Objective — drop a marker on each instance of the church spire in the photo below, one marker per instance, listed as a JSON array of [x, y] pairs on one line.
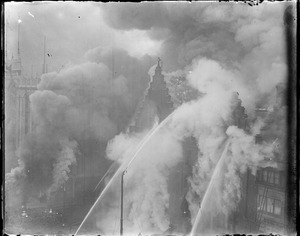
[[156, 104], [158, 67], [159, 93]]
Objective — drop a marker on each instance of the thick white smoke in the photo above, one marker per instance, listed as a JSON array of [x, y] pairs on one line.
[[236, 65], [212, 120], [146, 193], [243, 153]]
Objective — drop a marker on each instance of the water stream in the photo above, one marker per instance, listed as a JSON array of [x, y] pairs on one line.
[[125, 166], [207, 194]]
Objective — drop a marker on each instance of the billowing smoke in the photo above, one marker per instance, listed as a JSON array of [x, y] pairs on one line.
[[213, 119], [232, 54], [76, 111], [61, 167], [146, 196], [243, 153], [223, 32], [216, 117]]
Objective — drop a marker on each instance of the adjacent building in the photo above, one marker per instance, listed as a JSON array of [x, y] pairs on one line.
[[18, 88], [263, 207]]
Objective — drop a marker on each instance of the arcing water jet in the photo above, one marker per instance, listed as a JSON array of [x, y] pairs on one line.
[[127, 165], [104, 176], [208, 191]]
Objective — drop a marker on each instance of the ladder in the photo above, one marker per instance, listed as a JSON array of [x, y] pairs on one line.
[[261, 207]]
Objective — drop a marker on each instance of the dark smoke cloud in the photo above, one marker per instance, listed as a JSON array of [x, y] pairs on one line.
[[187, 29], [76, 102], [122, 64], [233, 34], [75, 109]]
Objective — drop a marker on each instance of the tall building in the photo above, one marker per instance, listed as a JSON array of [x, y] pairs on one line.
[[18, 88], [156, 106], [157, 103], [263, 205]]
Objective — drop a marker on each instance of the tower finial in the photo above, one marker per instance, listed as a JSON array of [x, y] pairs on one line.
[[159, 62], [158, 67]]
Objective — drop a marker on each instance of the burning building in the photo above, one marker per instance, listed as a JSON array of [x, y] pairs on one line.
[[263, 196], [263, 206], [158, 104], [83, 110]]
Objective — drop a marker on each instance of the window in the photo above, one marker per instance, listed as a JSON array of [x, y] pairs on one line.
[[259, 176], [258, 201], [258, 138], [271, 177], [276, 178], [270, 205], [277, 207], [265, 176]]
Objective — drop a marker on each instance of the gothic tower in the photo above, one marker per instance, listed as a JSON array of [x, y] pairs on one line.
[[157, 103], [159, 94], [155, 107]]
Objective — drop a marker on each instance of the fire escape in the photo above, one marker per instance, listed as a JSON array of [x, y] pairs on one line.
[[259, 214]]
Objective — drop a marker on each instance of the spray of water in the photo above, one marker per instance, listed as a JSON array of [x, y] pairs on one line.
[[147, 138], [125, 166], [112, 165], [208, 191], [98, 199]]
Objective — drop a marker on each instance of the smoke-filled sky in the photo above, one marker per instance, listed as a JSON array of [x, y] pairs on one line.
[[98, 58], [71, 29], [178, 32]]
